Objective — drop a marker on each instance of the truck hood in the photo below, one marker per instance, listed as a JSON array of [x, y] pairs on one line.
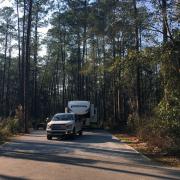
[[61, 122]]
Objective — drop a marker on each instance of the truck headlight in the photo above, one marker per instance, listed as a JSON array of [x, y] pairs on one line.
[[48, 126]]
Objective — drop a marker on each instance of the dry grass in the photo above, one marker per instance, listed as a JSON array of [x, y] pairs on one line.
[[153, 153], [4, 134]]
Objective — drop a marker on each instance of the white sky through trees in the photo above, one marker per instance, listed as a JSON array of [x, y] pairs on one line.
[[5, 3], [42, 30]]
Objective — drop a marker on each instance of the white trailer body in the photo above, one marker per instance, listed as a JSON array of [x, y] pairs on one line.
[[83, 109], [79, 107]]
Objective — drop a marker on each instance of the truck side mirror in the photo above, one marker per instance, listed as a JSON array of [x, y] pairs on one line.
[[47, 119]]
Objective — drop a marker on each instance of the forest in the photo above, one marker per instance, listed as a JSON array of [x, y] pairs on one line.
[[121, 55]]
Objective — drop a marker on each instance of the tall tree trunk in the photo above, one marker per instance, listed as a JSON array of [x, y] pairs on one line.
[[35, 66], [7, 105], [164, 13], [19, 56], [64, 73], [4, 69], [104, 85], [84, 48], [22, 87], [138, 89], [27, 67], [78, 67]]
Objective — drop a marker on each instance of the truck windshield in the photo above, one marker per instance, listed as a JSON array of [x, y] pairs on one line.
[[63, 117]]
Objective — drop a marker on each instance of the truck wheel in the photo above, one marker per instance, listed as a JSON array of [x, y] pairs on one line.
[[49, 137], [74, 132], [80, 132]]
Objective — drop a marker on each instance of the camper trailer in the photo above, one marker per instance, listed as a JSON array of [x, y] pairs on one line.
[[85, 110]]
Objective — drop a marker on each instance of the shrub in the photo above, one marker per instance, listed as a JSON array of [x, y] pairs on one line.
[[153, 131], [4, 133], [13, 125], [8, 127], [155, 135]]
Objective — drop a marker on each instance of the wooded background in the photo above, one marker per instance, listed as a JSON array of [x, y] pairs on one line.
[[121, 55]]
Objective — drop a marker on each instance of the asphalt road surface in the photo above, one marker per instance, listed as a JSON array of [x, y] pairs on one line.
[[96, 155]]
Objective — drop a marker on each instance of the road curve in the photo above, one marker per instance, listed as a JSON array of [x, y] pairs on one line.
[[96, 155]]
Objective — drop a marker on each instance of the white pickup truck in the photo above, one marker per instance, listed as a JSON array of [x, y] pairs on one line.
[[63, 124]]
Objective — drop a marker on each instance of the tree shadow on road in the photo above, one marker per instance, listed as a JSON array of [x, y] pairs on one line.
[[6, 177], [60, 153], [83, 162], [69, 147]]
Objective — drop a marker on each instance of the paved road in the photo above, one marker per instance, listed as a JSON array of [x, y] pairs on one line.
[[93, 156]]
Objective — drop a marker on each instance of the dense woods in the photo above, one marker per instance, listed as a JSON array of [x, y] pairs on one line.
[[122, 55]]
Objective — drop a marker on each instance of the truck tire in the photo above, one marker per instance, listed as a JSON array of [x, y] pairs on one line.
[[80, 133], [49, 137], [74, 131]]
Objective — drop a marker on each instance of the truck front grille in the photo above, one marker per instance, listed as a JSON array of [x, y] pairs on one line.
[[58, 127]]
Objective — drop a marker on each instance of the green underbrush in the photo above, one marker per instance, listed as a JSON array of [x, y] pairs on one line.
[[8, 127]]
